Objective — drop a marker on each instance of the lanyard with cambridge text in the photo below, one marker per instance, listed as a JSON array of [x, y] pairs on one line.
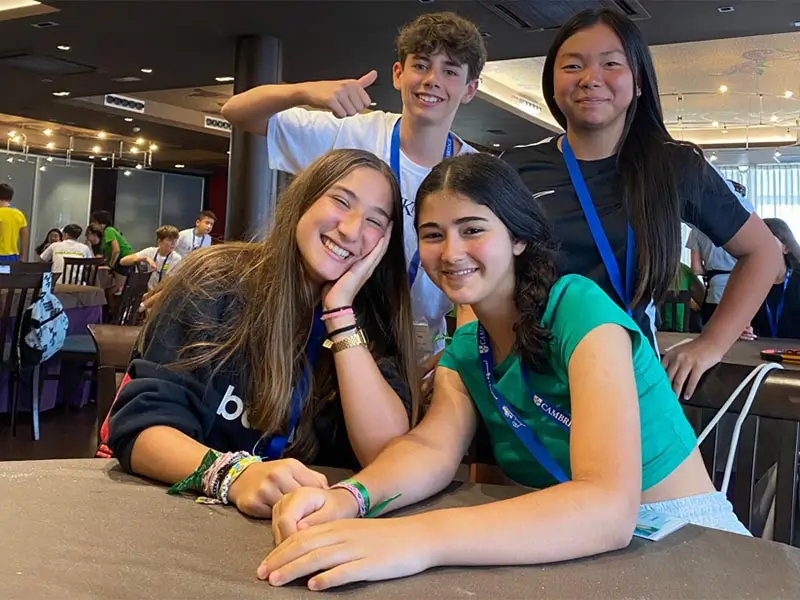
[[518, 426], [599, 235], [163, 265], [394, 163], [277, 443], [776, 317]]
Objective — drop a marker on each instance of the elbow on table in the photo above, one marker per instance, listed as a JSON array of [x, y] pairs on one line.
[[622, 513]]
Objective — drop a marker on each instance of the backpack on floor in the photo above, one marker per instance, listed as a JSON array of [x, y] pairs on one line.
[[43, 328]]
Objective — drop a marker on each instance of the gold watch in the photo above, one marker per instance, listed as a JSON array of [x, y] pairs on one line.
[[351, 341]]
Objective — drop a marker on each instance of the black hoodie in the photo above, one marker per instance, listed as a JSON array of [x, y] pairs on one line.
[[209, 408]]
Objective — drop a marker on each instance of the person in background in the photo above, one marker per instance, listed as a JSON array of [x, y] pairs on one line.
[[13, 228], [115, 246], [617, 186], [779, 315], [197, 237], [685, 281], [574, 398], [161, 260], [53, 236], [713, 263], [440, 57], [94, 239], [69, 247], [231, 367]]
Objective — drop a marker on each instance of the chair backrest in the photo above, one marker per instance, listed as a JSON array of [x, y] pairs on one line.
[[81, 271], [670, 313], [25, 268], [770, 435], [132, 294], [114, 346], [16, 294]]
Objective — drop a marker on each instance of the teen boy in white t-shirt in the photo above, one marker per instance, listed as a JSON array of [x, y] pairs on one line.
[[161, 260], [198, 236], [68, 247], [440, 57]]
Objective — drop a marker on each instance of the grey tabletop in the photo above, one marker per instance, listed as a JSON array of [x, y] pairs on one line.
[[82, 529], [742, 353]]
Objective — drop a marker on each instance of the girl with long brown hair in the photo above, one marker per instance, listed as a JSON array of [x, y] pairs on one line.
[[232, 391]]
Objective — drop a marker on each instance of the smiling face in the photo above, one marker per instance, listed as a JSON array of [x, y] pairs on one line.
[[465, 249], [344, 224], [593, 82], [433, 87]]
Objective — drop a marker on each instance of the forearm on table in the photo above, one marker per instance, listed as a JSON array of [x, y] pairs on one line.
[[373, 412], [747, 286], [165, 454], [567, 521]]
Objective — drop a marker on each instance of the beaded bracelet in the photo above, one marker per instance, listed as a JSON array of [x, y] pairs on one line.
[[360, 493]]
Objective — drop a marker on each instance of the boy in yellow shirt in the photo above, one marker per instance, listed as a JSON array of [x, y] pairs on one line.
[[13, 228]]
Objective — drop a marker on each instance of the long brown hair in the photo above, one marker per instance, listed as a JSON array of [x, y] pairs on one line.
[[266, 326]]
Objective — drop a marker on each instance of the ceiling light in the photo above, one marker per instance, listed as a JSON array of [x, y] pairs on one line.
[[713, 157], [63, 48], [51, 145], [774, 118], [725, 9], [146, 70], [743, 168], [128, 120], [17, 140], [373, 104], [49, 159], [139, 141], [43, 168], [496, 145], [180, 166], [101, 135], [126, 172], [723, 88], [788, 94], [777, 154], [97, 149], [12, 134], [715, 123], [225, 79], [105, 158], [61, 94], [138, 166], [48, 132], [134, 149], [153, 147], [10, 159], [91, 156]]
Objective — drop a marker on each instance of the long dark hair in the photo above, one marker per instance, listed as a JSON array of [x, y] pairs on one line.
[[264, 333], [784, 233], [491, 182], [649, 182], [40, 248]]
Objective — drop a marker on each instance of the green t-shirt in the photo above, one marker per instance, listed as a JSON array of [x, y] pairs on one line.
[[684, 283], [575, 307], [110, 234]]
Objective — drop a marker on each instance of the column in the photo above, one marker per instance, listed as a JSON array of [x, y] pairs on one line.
[[251, 183]]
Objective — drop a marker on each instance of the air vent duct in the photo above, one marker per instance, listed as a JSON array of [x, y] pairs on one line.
[[124, 103], [217, 123], [538, 15]]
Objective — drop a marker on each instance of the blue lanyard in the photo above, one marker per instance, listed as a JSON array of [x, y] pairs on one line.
[[774, 319], [277, 444], [163, 265], [518, 426], [599, 236], [394, 163]]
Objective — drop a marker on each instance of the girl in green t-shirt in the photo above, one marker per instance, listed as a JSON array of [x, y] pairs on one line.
[[573, 396]]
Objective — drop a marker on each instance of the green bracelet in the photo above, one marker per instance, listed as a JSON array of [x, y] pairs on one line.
[[194, 481], [380, 506]]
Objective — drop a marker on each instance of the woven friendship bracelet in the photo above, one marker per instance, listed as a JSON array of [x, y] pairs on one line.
[[358, 491]]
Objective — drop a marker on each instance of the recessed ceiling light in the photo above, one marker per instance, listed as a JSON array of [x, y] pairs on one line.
[[138, 166], [101, 135], [225, 79], [126, 172], [104, 159], [777, 154], [180, 166], [51, 145], [725, 9], [49, 159], [715, 123], [134, 150], [48, 132], [61, 94], [373, 104], [153, 147], [128, 120], [496, 145], [788, 94], [64, 48], [774, 118], [146, 70], [91, 156], [139, 141], [723, 88], [97, 149]]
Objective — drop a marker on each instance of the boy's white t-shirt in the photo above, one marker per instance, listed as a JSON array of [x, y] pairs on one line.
[[166, 269], [58, 251], [297, 137], [188, 240]]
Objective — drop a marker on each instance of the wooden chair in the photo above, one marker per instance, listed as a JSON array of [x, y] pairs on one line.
[[135, 289], [81, 271]]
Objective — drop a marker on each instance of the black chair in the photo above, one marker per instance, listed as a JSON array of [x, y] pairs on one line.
[[81, 271], [770, 435], [16, 294], [132, 294]]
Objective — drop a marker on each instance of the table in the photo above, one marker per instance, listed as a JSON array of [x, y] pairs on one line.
[[83, 529], [742, 353]]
